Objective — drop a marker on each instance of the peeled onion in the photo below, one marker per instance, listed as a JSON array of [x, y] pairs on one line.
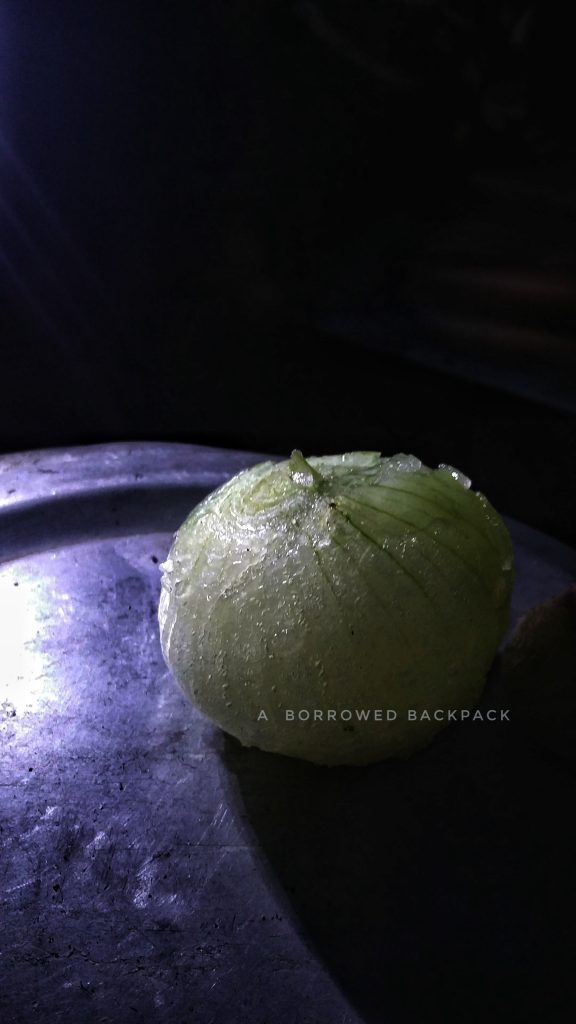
[[348, 583]]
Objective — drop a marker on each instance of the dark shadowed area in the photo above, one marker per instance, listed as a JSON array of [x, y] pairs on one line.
[[434, 889], [276, 224]]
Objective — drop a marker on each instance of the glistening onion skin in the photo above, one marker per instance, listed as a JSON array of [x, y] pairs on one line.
[[342, 582]]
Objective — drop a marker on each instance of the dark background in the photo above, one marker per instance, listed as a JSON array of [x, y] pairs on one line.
[[273, 224]]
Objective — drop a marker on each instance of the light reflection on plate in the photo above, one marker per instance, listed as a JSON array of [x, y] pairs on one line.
[[25, 680]]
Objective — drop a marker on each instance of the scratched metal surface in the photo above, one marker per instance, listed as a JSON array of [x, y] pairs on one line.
[[153, 870]]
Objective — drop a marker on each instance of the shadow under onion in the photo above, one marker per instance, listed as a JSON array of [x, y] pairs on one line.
[[437, 888]]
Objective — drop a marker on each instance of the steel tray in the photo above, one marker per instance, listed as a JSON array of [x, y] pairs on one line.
[[153, 870]]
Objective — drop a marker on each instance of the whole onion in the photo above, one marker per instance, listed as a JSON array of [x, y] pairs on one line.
[[325, 608]]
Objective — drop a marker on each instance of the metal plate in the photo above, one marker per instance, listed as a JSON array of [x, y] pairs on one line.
[[153, 870]]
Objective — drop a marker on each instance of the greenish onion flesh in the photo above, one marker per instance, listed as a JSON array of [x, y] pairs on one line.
[[336, 583]]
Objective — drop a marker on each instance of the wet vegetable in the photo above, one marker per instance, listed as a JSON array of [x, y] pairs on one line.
[[538, 674], [326, 608]]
